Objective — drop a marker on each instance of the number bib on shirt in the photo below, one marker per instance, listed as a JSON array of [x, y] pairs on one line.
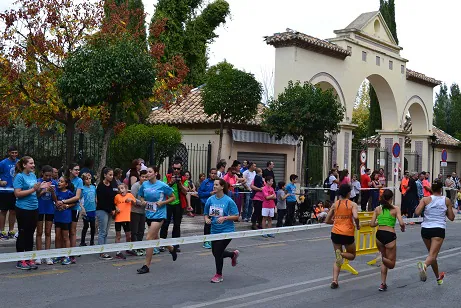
[[151, 206], [216, 211]]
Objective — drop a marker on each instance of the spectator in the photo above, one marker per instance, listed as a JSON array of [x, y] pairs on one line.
[[245, 166], [134, 172], [257, 197], [419, 186], [269, 171], [291, 200], [355, 192], [365, 183], [221, 167], [88, 166], [8, 201], [450, 185], [344, 177], [201, 178], [426, 185], [382, 177], [118, 176], [333, 182], [281, 203], [412, 195], [249, 176], [403, 189], [375, 185]]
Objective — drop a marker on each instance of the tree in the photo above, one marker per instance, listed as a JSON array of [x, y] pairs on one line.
[[267, 81], [35, 40], [134, 141], [188, 33], [116, 75], [455, 112], [230, 95], [361, 114], [387, 9], [129, 15], [300, 112], [442, 109]]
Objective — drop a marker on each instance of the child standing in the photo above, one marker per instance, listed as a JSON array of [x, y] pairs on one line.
[[281, 203], [123, 202], [63, 216], [89, 204], [268, 205]]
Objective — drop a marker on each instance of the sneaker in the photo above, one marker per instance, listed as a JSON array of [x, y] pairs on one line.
[[139, 252], [120, 255], [49, 261], [177, 248], [265, 235], [131, 252], [174, 253], [143, 270], [422, 271], [161, 249], [12, 235], [156, 251], [271, 235], [91, 243], [66, 261], [4, 235], [83, 244], [57, 260], [334, 285], [383, 287], [339, 258], [440, 279], [207, 245], [38, 261], [234, 258], [22, 265], [105, 256], [73, 260], [217, 279], [32, 264]]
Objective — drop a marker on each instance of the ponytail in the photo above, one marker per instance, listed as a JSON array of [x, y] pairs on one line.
[[386, 199], [19, 168]]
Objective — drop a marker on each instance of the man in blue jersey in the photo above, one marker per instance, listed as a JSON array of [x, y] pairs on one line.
[[7, 198]]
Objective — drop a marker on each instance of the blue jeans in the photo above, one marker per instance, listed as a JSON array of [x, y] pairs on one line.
[[248, 206], [374, 199], [104, 221]]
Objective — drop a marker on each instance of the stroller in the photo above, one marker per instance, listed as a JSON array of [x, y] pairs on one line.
[[305, 212]]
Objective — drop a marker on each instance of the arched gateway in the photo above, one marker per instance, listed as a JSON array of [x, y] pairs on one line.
[[365, 49]]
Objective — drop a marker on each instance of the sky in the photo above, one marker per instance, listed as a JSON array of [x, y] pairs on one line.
[[428, 31]]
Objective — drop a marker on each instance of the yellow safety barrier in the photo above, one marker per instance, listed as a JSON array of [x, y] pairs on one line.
[[365, 241]]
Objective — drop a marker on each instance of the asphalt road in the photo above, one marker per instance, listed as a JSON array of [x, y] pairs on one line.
[[292, 270]]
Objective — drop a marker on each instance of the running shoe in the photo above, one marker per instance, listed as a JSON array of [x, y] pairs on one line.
[[22, 265], [207, 245], [49, 261], [271, 235], [91, 243], [12, 235], [177, 248], [217, 279], [422, 271], [83, 244], [334, 285], [32, 264], [139, 252], [161, 249], [383, 287], [57, 260], [265, 235], [4, 235], [234, 258], [66, 261], [156, 251], [38, 261], [174, 253], [143, 270], [105, 256], [73, 260], [131, 252], [120, 255], [339, 258], [440, 279]]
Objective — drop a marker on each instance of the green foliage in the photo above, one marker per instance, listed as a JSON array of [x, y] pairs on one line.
[[361, 115], [375, 122], [443, 110], [135, 140], [306, 111], [188, 33], [387, 9]]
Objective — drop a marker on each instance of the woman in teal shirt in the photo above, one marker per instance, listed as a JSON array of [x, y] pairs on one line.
[[221, 212], [25, 189]]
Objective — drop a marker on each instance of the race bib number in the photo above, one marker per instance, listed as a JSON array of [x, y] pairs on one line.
[[216, 211], [151, 207]]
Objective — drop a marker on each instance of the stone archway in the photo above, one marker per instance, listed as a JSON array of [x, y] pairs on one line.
[[326, 81]]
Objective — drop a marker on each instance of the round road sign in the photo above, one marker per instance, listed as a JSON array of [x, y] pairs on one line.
[[444, 155], [396, 150], [363, 157]]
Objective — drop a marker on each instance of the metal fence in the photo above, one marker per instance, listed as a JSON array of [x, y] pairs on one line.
[[318, 157]]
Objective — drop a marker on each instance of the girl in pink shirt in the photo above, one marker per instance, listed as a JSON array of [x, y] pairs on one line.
[[231, 178], [268, 204]]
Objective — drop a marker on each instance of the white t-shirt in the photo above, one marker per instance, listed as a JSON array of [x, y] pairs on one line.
[[333, 186], [249, 176]]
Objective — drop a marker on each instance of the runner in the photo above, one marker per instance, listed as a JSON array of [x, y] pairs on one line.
[[89, 203], [436, 209], [63, 217], [386, 240], [105, 207], [25, 189], [341, 216], [7, 198], [138, 215], [72, 173], [123, 203], [221, 212], [155, 195], [45, 212]]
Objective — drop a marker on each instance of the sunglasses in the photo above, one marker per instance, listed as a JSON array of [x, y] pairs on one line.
[[176, 168], [76, 169]]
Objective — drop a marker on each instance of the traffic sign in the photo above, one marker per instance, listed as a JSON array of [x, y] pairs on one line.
[[396, 150], [363, 157], [443, 164], [444, 155]]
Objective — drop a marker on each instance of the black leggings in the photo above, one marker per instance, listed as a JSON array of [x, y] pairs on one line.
[[176, 212], [138, 226], [257, 211], [290, 213], [27, 223], [206, 229], [92, 225], [219, 252]]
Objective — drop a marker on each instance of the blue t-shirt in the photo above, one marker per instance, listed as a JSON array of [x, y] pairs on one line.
[[45, 201], [78, 184], [152, 193], [26, 182], [216, 208], [7, 172], [89, 198], [64, 216], [291, 189]]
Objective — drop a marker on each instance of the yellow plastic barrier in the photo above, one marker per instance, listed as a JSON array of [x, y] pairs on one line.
[[365, 241]]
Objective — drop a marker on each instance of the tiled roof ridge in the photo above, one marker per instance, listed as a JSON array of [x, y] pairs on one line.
[[413, 75]]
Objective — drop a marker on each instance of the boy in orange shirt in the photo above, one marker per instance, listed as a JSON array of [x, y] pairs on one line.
[[123, 202]]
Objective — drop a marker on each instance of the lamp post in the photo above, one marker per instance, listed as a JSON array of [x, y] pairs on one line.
[[434, 142]]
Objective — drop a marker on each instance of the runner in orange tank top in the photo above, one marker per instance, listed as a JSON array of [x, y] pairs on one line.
[[343, 215]]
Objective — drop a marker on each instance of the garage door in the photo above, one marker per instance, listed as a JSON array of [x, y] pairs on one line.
[[449, 169], [261, 159]]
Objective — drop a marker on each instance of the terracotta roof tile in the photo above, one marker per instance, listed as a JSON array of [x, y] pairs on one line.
[[190, 111], [423, 79], [294, 38]]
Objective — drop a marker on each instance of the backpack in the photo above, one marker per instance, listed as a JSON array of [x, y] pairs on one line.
[[326, 183]]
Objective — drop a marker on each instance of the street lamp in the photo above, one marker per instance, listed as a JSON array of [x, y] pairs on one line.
[[434, 142]]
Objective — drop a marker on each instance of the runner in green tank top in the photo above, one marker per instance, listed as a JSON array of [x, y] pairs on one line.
[[385, 217]]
